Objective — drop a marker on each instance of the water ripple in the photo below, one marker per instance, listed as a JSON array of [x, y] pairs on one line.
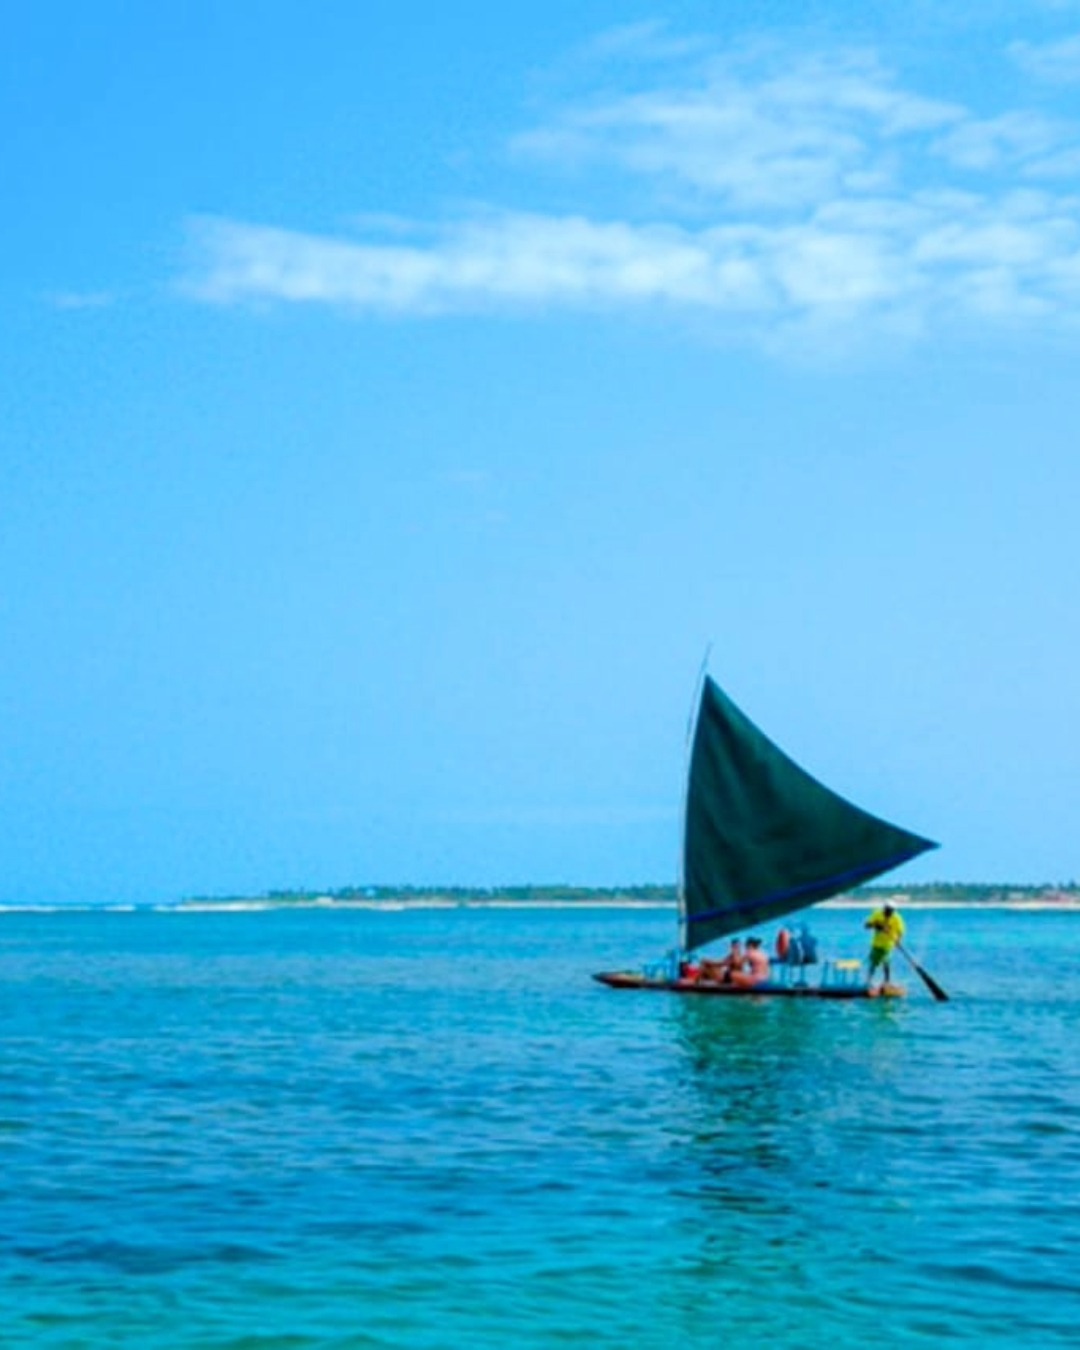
[[432, 1130]]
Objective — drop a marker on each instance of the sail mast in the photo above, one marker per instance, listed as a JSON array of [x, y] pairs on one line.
[[691, 732]]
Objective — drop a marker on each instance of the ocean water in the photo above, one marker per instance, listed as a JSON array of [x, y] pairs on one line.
[[432, 1129]]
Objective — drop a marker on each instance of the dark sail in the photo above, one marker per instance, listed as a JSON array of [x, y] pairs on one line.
[[763, 838]]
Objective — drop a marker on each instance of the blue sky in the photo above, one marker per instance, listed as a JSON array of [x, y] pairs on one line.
[[399, 400]]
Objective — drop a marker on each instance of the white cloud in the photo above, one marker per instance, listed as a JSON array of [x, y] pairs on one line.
[[498, 259], [768, 190], [753, 137]]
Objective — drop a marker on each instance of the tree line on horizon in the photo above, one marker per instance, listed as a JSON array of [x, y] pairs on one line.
[[955, 892]]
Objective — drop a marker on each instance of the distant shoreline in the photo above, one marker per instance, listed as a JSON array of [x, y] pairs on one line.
[[420, 906], [255, 905], [388, 900]]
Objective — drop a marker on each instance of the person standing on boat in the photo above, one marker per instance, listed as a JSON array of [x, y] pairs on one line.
[[887, 927]]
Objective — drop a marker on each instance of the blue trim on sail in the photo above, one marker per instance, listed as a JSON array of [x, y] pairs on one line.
[[829, 885]]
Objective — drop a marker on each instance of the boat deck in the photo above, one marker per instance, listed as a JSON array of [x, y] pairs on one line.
[[628, 979]]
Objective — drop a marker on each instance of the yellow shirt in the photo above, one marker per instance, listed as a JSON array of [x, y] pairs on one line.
[[888, 929]]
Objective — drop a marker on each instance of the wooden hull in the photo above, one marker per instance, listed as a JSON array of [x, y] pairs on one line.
[[627, 979]]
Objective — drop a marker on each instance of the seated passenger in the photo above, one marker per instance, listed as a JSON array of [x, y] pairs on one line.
[[720, 972], [755, 969]]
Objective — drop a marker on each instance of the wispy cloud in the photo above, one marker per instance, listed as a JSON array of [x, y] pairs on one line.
[[754, 133], [496, 259], [650, 41], [75, 300], [1057, 62], [1015, 142], [768, 190]]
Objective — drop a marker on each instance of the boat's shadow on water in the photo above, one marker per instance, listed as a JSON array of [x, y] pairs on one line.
[[775, 1092]]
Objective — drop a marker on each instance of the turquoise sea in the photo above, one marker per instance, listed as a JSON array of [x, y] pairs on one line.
[[430, 1128]]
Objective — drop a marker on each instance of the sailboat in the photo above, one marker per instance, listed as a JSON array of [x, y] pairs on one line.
[[763, 840]]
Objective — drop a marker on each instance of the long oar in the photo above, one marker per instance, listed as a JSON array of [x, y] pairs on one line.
[[927, 979]]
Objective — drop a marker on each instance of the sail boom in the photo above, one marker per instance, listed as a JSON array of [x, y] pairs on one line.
[[776, 906]]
